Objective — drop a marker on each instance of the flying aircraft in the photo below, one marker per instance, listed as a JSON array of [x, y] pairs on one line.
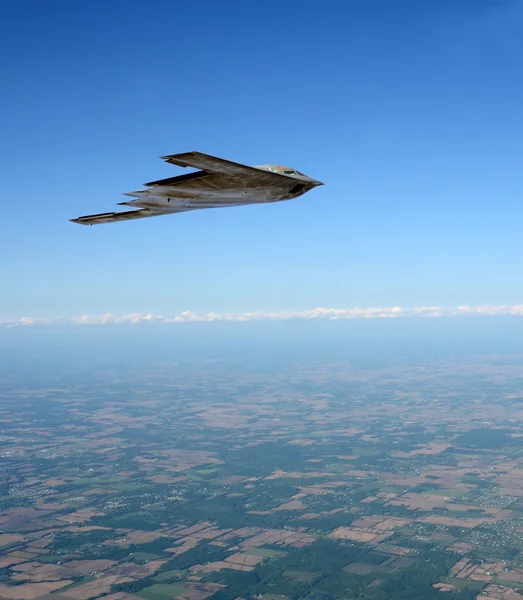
[[219, 183]]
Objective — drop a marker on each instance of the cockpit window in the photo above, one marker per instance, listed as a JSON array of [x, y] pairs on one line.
[[280, 169]]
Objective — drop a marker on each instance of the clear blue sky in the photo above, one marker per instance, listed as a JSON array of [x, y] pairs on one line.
[[411, 112]]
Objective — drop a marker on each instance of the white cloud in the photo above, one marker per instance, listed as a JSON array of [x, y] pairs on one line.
[[393, 312]]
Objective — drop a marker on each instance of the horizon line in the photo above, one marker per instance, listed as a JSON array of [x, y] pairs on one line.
[[331, 314]]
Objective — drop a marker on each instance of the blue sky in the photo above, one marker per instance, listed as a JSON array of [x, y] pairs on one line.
[[410, 112]]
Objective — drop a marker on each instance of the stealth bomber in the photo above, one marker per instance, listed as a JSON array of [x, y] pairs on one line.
[[218, 183]]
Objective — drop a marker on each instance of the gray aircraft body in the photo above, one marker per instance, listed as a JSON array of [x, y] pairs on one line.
[[219, 183]]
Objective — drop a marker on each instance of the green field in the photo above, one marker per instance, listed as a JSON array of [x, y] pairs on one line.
[[209, 471], [127, 487], [466, 514], [303, 576], [52, 558], [167, 575], [265, 552], [161, 591]]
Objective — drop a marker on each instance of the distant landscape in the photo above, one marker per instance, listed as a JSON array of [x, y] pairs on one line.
[[370, 479]]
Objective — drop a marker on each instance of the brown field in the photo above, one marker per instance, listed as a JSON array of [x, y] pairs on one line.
[[415, 501], [7, 561], [368, 499], [481, 572], [199, 591], [279, 538], [136, 571], [84, 567], [95, 588], [210, 533], [191, 530], [370, 529], [54, 482], [176, 551], [120, 596], [30, 591], [41, 543], [80, 515], [512, 576], [219, 565], [381, 523], [451, 521], [461, 547], [428, 449], [25, 554], [358, 535], [10, 538], [461, 564], [135, 537], [395, 550], [291, 505], [79, 529], [35, 572], [499, 592], [278, 474], [244, 559]]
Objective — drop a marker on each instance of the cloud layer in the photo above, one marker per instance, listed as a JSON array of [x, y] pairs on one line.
[[315, 313]]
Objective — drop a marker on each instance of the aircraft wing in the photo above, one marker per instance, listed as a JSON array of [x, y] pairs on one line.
[[213, 164], [128, 215]]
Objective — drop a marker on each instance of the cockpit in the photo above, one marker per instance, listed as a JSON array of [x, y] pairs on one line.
[[281, 170], [292, 172]]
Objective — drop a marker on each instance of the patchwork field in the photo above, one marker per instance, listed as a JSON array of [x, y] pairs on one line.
[[203, 480]]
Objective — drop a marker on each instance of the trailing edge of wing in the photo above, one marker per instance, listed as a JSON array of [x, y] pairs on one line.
[[177, 179], [113, 217], [213, 164]]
